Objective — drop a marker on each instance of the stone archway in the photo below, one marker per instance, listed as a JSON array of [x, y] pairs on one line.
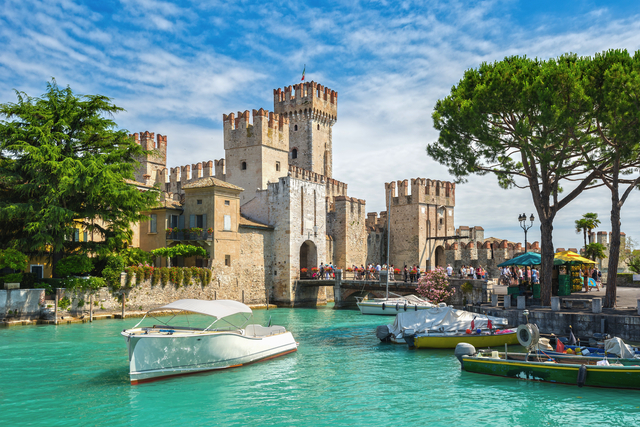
[[308, 255], [440, 258]]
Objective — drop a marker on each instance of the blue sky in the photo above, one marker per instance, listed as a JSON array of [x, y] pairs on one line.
[[176, 67]]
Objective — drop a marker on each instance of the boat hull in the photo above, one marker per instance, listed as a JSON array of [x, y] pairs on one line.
[[451, 341], [157, 356], [624, 377], [389, 308]]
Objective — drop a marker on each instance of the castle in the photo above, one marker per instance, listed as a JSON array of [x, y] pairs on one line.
[[271, 208]]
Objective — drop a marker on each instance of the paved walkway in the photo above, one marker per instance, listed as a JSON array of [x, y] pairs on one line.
[[627, 298]]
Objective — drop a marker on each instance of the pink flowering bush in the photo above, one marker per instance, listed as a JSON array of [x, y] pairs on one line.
[[434, 286]]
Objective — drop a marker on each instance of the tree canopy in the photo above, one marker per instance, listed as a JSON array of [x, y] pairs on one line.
[[525, 121], [570, 121], [64, 165], [587, 224]]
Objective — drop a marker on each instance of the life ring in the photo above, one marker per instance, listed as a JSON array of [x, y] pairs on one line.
[[383, 306], [582, 375], [528, 335], [397, 306]]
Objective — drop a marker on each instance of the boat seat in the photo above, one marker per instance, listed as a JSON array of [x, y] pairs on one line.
[[263, 331]]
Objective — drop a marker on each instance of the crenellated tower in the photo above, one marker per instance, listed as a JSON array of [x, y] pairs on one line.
[[256, 152], [152, 165], [312, 110]]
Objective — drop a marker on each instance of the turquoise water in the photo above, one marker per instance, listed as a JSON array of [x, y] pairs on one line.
[[341, 375]]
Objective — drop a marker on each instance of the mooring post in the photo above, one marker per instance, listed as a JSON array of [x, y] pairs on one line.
[[91, 308], [337, 296], [124, 298], [55, 309]]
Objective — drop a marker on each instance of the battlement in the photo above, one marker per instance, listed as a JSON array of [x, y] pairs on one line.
[[158, 146], [305, 99], [266, 128], [422, 190], [181, 175], [334, 187]]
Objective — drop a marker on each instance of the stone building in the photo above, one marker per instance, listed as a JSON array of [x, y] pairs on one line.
[[271, 205]]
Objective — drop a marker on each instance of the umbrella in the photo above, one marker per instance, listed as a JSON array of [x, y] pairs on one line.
[[528, 258], [568, 257]]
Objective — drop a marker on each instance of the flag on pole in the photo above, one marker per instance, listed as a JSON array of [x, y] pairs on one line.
[[303, 70]]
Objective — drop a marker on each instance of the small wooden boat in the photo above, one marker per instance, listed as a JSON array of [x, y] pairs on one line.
[[574, 370]]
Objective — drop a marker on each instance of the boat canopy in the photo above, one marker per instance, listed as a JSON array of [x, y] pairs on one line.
[[218, 308], [442, 319]]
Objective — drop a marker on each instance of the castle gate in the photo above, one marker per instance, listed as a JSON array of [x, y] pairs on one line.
[[440, 259], [308, 255]]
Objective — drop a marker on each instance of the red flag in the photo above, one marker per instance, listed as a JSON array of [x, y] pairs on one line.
[[473, 322], [489, 324], [559, 346]]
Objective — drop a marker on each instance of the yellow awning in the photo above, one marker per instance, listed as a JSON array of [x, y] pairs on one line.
[[573, 257]]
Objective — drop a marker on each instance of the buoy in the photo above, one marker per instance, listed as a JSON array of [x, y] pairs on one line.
[[478, 331], [416, 307], [405, 306], [468, 331], [397, 306], [582, 375], [383, 306]]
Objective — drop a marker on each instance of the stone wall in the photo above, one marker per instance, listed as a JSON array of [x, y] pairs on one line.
[[21, 302]]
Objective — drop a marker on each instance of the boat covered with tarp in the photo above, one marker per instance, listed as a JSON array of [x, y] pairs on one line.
[[226, 340], [445, 326]]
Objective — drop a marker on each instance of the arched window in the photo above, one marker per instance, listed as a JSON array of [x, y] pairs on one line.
[[294, 153], [295, 127], [243, 166], [318, 127]]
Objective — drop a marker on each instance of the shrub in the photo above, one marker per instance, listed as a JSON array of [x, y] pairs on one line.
[[155, 278], [12, 278], [466, 288], [84, 283], [64, 303], [205, 276], [434, 285], [136, 256], [80, 303], [13, 259], [111, 273], [74, 264], [148, 271], [164, 275]]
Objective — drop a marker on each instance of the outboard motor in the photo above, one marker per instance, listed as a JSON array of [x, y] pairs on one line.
[[409, 335], [382, 332], [464, 349]]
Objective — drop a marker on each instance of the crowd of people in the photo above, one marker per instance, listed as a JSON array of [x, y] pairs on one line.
[[468, 271], [515, 275]]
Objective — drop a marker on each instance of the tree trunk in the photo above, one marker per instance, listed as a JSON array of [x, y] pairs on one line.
[[546, 271], [614, 250]]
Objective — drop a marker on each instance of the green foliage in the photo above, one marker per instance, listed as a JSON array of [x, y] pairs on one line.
[[80, 303], [43, 285], [63, 167], [634, 264], [83, 284], [164, 275], [180, 250], [12, 278], [466, 288], [64, 303], [114, 267], [155, 278], [13, 259], [595, 251], [205, 276], [136, 256], [586, 224], [74, 264], [187, 276]]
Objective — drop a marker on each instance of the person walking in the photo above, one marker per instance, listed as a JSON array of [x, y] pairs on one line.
[[406, 273]]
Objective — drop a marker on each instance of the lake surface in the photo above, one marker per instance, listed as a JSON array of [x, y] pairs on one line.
[[341, 375]]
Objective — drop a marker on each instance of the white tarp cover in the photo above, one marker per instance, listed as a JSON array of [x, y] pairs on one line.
[[218, 309], [616, 346], [441, 319]]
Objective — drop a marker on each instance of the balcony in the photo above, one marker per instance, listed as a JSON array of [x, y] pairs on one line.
[[187, 235]]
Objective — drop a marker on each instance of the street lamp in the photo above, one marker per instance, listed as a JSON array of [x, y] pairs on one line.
[[523, 223]]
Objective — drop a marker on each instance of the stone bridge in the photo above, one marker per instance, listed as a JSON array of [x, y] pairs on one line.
[[346, 291]]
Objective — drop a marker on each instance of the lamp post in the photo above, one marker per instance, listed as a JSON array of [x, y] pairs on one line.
[[523, 223]]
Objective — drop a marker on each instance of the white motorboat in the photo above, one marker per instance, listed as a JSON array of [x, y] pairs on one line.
[[162, 351], [391, 306]]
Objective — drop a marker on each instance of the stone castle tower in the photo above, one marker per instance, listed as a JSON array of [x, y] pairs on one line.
[[312, 110]]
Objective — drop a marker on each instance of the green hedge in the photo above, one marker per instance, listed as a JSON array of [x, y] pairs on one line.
[[625, 280]]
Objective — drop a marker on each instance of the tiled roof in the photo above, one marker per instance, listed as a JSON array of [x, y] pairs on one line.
[[211, 182], [246, 222], [137, 184]]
